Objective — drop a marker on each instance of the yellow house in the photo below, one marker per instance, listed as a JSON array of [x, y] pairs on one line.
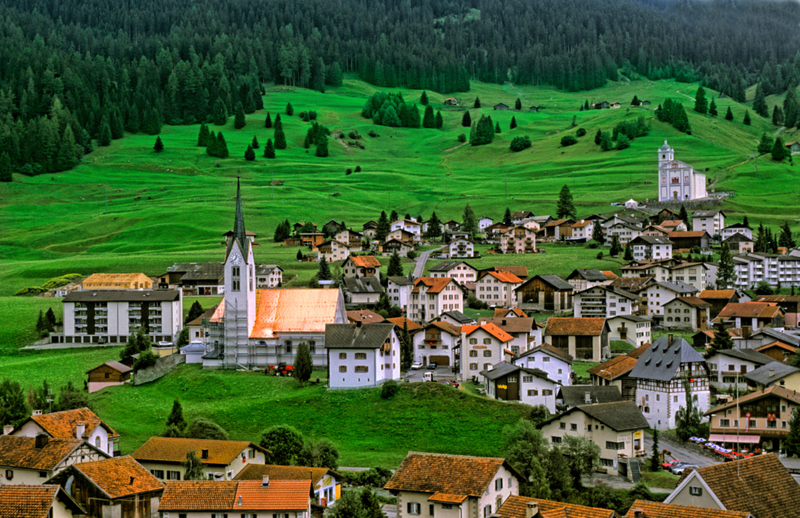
[[118, 281]]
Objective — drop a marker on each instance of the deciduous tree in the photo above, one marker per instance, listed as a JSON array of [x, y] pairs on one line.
[[202, 428], [285, 443], [193, 468]]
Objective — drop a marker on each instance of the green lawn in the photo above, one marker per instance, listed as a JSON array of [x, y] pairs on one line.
[[581, 368], [620, 346], [660, 479]]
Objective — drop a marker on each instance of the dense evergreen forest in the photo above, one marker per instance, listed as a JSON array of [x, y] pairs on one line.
[[74, 71]]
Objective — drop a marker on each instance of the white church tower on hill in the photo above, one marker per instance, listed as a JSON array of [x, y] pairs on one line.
[[240, 285], [678, 181]]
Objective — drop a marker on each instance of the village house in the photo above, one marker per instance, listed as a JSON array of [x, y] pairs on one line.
[[624, 232], [529, 507], [362, 290], [754, 315], [49, 501], [351, 238], [690, 240], [737, 228], [726, 366], [664, 214], [196, 330], [519, 271], [548, 293], [111, 316], [409, 226], [678, 180], [718, 299], [194, 278], [778, 351], [362, 355], [526, 331], [630, 328], [554, 362], [118, 487], [369, 229], [752, 268], [602, 105], [481, 347], [647, 509], [661, 373], [789, 304], [558, 229], [508, 382], [221, 460], [739, 244], [604, 302], [484, 223], [634, 220], [687, 312], [615, 373], [657, 294], [268, 276], [436, 484], [617, 428], [765, 336], [296, 227], [518, 240], [655, 230], [497, 288], [404, 323], [431, 297], [584, 279], [364, 316], [501, 106], [458, 270], [461, 248], [730, 486], [581, 395], [451, 101], [80, 423], [711, 221], [669, 270], [518, 216], [647, 248], [456, 318], [582, 231], [774, 374], [107, 375], [674, 225], [249, 498], [325, 483], [117, 281], [333, 250], [395, 246], [398, 289], [311, 239], [361, 266], [582, 338], [437, 342], [493, 232], [33, 460]]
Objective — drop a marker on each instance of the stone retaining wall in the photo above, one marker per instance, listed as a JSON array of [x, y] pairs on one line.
[[162, 367]]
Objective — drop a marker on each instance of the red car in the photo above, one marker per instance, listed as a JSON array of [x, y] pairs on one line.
[[668, 465]]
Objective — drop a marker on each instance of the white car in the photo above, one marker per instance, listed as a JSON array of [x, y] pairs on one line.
[[164, 343], [416, 366]]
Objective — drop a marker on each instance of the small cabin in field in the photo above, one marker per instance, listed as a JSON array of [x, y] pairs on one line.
[[501, 106], [451, 101], [794, 147], [107, 375], [615, 105], [644, 103], [602, 105]]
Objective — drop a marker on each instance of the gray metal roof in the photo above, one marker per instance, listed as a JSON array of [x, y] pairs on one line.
[[575, 395], [363, 285], [631, 318], [554, 281], [706, 213], [401, 280], [678, 287], [589, 275], [446, 266], [618, 415], [204, 271], [355, 336], [778, 335], [122, 296], [504, 368], [750, 355], [652, 240], [777, 369], [662, 360], [458, 317]]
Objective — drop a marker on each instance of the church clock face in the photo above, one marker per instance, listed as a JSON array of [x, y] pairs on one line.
[[236, 258]]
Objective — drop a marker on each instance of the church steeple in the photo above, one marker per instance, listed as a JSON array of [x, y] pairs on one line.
[[239, 234]]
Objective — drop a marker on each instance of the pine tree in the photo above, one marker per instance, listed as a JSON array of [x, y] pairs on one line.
[[746, 120], [684, 215], [202, 137], [469, 222], [790, 109], [513, 122], [289, 109], [725, 270], [777, 116], [597, 233], [434, 227], [712, 109], [598, 137], [280, 139], [700, 102], [303, 366], [222, 146], [765, 144], [105, 134], [268, 121], [423, 99], [760, 103], [384, 227], [300, 254], [477, 102], [277, 124], [786, 239], [5, 168], [322, 147], [211, 144], [239, 120], [565, 207], [779, 151], [324, 272], [635, 101], [255, 144], [395, 268], [40, 325], [518, 104], [176, 418], [655, 458], [466, 120], [507, 217], [615, 248], [219, 112], [628, 256], [269, 150], [729, 114], [50, 318], [439, 120], [745, 222], [249, 154], [159, 146], [429, 120], [497, 127]]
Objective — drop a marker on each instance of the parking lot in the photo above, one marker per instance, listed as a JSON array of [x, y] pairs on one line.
[[439, 373]]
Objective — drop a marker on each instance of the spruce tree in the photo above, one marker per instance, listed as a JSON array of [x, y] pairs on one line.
[[606, 143], [202, 137], [384, 227], [222, 146], [565, 207], [655, 465], [211, 144], [598, 137], [268, 122], [765, 144], [238, 120], [159, 146], [712, 109], [777, 116], [289, 109], [324, 272], [597, 233], [105, 134], [513, 122], [779, 151], [497, 127], [249, 154], [280, 139], [628, 256], [5, 168], [176, 419], [635, 101], [746, 120], [684, 215], [725, 269], [322, 147], [466, 120], [277, 124], [615, 248], [477, 102], [429, 120], [439, 120], [790, 109], [434, 227], [786, 239], [760, 103], [507, 217], [395, 268], [518, 104], [729, 114], [219, 112], [423, 99], [792, 441], [269, 149], [700, 101], [469, 223], [303, 366], [255, 144]]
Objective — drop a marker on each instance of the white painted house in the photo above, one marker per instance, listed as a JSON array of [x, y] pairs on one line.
[[458, 270], [678, 180], [737, 228], [362, 355], [604, 302], [460, 248], [80, 423], [431, 297], [497, 288], [712, 221], [557, 364], [509, 382], [437, 342], [398, 290], [33, 460], [647, 248], [484, 223], [409, 225], [482, 347]]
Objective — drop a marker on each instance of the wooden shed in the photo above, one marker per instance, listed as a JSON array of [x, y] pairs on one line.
[[108, 374], [501, 106], [545, 293]]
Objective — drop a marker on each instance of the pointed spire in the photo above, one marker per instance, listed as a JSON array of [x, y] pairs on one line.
[[238, 224]]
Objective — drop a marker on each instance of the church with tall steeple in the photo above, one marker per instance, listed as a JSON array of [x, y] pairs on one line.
[[678, 181], [256, 328]]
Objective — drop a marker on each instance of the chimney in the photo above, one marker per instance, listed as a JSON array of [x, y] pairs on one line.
[[358, 323], [638, 513], [265, 481], [204, 454], [669, 339], [531, 510], [239, 502], [79, 430], [131, 482], [7, 430], [41, 441]]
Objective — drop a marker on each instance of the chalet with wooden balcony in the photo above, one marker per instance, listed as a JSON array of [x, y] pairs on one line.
[[548, 293]]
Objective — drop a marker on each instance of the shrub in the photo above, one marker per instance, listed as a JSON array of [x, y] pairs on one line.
[[373, 134], [389, 389], [348, 171], [568, 140], [146, 359], [411, 255], [30, 290], [475, 303], [358, 168], [354, 135], [520, 143], [462, 138], [581, 132], [599, 255]]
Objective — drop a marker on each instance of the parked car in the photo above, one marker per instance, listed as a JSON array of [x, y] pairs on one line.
[[676, 466], [416, 366], [432, 366], [679, 470], [669, 465], [164, 343], [449, 382]]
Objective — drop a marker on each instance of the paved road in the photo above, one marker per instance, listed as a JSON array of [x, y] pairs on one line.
[[419, 268], [679, 451], [441, 372]]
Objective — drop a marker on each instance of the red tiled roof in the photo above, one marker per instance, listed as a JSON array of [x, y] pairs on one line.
[[364, 315], [258, 471], [572, 326], [365, 261], [27, 501], [400, 321], [280, 495], [174, 449], [288, 310], [516, 507], [614, 367], [489, 328], [662, 510], [62, 424], [434, 284], [609, 274], [504, 276], [232, 495], [501, 312], [778, 344], [119, 476], [717, 294], [687, 233], [519, 271], [206, 495], [639, 350], [447, 498], [448, 474], [21, 452], [749, 310]]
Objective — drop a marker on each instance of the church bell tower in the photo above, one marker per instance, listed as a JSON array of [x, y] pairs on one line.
[[240, 293]]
